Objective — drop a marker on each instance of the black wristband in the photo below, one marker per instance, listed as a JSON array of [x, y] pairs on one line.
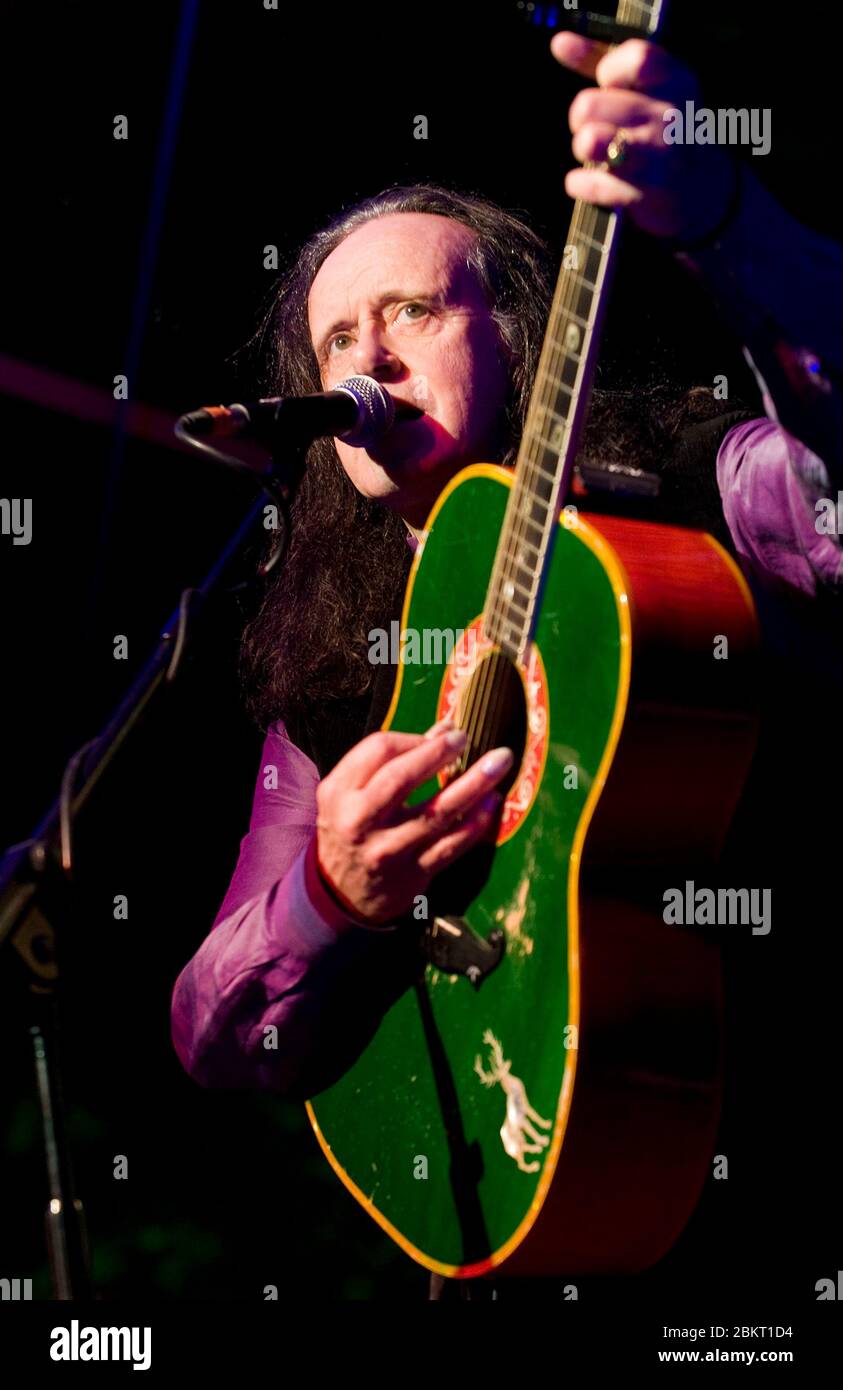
[[732, 210]]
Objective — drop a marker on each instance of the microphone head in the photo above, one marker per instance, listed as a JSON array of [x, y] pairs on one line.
[[376, 410]]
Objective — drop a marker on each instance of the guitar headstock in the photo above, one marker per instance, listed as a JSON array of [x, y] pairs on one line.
[[633, 19]]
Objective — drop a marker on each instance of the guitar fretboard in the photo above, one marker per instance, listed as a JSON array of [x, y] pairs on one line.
[[553, 425], [557, 409]]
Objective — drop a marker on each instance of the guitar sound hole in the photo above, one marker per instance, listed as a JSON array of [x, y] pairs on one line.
[[493, 712]]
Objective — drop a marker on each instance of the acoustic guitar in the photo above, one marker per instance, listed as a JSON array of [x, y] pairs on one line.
[[544, 1100]]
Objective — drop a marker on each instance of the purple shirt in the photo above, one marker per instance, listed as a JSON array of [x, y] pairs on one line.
[[277, 948], [271, 998], [283, 990]]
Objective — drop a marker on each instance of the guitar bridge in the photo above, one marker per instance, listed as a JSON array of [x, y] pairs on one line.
[[453, 947]]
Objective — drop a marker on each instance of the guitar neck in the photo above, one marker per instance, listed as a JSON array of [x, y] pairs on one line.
[[553, 428], [558, 405]]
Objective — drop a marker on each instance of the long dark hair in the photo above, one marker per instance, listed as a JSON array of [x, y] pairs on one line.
[[348, 556]]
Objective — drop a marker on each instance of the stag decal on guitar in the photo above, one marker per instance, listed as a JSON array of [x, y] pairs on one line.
[[519, 1126]]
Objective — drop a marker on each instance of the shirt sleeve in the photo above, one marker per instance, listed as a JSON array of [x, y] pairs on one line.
[[772, 488], [286, 989], [779, 285]]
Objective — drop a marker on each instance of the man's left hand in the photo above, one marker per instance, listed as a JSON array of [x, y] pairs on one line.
[[670, 190]]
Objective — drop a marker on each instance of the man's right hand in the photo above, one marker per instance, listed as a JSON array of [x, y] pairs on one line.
[[380, 854]]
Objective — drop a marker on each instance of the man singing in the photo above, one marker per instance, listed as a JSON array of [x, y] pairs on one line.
[[443, 299]]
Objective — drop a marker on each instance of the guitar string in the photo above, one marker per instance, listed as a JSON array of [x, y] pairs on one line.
[[490, 687], [585, 215], [548, 400], [584, 221], [480, 696], [484, 697]]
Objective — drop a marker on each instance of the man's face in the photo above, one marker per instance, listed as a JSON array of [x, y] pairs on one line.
[[395, 301]]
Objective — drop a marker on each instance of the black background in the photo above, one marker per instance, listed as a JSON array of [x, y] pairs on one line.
[[287, 117]]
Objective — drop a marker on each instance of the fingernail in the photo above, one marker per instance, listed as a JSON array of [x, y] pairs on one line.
[[578, 47], [439, 727], [455, 740], [496, 762]]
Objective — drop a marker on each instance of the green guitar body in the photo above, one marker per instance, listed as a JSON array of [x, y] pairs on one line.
[[547, 1121]]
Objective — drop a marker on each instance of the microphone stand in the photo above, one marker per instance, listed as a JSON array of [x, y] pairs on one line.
[[36, 875]]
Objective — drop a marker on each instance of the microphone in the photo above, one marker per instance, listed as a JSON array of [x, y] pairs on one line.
[[358, 410]]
